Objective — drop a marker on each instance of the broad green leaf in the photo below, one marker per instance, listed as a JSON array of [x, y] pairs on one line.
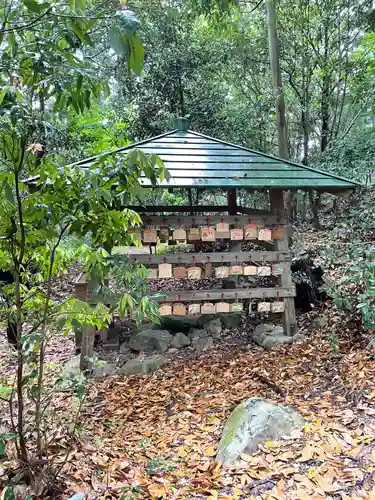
[[3, 93], [117, 41], [32, 5], [137, 54]]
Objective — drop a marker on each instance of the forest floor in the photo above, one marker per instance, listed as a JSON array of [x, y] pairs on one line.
[[156, 436]]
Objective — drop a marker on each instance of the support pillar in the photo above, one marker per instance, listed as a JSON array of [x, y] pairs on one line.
[[278, 208]]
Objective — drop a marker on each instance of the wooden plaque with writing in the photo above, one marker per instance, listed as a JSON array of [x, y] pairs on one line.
[[152, 274], [194, 234], [277, 269], [222, 230], [251, 232], [264, 271], [222, 307], [222, 272], [208, 308], [165, 309], [250, 270], [150, 236], [236, 270], [264, 306], [278, 307], [194, 309], [208, 270], [165, 270], [265, 234], [236, 234], [179, 273], [208, 234], [179, 235], [236, 307], [179, 310], [277, 234]]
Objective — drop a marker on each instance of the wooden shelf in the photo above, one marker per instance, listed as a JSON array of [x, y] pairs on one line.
[[251, 293], [213, 257]]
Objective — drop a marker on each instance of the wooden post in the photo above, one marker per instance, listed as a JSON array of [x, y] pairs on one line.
[[277, 206], [234, 246], [232, 201], [87, 347]]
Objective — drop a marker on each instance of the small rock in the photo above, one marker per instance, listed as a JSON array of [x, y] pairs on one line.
[[275, 340], [254, 422], [146, 365], [268, 336], [151, 340], [195, 333], [214, 328], [124, 348], [71, 370], [180, 340], [319, 322], [231, 320], [104, 369], [202, 343]]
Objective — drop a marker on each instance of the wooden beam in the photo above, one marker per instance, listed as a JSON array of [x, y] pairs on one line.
[[180, 209], [203, 220], [264, 213], [213, 257], [249, 293], [290, 322]]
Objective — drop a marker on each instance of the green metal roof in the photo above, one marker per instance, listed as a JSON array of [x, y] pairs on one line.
[[197, 160]]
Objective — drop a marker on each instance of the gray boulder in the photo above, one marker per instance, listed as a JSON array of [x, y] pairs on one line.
[[149, 340], [231, 320], [254, 422], [137, 366], [196, 333], [180, 340], [71, 374], [124, 348], [202, 343], [268, 336], [214, 328]]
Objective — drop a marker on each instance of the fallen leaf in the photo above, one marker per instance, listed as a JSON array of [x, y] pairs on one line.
[[209, 452]]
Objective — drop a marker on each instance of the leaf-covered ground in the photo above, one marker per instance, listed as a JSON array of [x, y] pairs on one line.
[[156, 436]]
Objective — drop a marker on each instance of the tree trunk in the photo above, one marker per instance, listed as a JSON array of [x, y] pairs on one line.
[[277, 84]]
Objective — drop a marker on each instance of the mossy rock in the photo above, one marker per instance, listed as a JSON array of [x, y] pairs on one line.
[[254, 422]]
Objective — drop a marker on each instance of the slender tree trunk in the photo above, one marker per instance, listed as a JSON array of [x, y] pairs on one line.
[[277, 84], [17, 282]]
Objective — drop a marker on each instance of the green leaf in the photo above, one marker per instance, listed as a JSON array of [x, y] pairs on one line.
[[5, 391], [117, 41], [137, 54], [8, 494], [3, 93], [2, 448], [32, 5]]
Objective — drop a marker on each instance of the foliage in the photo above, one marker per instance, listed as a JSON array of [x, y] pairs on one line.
[[42, 201]]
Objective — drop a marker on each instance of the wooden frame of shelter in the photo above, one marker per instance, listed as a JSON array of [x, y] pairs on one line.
[[198, 161]]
